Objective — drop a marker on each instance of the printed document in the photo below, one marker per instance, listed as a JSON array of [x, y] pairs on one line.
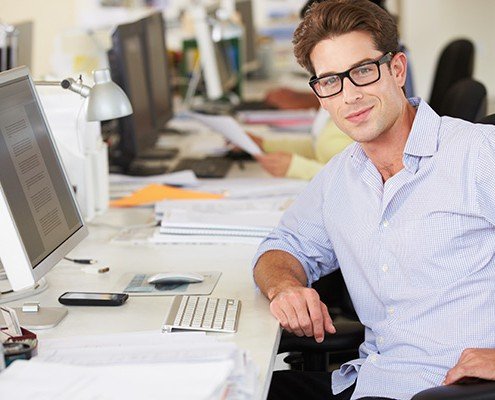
[[229, 128]]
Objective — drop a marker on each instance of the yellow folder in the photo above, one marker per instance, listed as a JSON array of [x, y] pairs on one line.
[[153, 193]]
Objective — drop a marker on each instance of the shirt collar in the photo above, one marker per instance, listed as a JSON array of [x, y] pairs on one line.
[[423, 138]]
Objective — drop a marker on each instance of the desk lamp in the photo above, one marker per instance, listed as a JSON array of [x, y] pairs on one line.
[[86, 160], [106, 100]]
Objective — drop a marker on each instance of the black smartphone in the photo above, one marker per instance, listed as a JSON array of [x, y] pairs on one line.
[[93, 299]]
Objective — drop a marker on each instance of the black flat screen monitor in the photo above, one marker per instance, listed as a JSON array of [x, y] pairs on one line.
[[158, 70], [137, 132]]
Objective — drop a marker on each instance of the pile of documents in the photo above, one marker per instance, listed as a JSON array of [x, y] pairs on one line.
[[218, 221], [144, 365], [286, 120]]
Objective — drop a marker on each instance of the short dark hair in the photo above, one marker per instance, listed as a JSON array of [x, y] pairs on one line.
[[309, 3], [331, 18]]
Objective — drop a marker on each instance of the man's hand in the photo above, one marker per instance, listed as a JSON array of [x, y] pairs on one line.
[[300, 310], [475, 363], [276, 163]]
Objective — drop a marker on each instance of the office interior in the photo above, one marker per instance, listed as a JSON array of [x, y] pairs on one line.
[[72, 37], [425, 27]]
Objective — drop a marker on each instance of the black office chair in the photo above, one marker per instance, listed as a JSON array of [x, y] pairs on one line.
[[465, 99], [485, 390], [488, 119], [456, 62]]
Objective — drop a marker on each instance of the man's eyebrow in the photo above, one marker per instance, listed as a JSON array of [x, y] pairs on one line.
[[357, 64]]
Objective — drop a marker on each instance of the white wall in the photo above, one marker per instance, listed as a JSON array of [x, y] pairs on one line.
[[50, 18], [428, 25]]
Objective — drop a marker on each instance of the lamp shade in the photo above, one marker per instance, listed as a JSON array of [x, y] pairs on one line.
[[106, 99]]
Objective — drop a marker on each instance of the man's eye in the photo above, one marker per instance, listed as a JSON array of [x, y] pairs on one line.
[[364, 70], [329, 81]]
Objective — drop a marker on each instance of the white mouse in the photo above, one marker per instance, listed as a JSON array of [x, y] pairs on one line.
[[175, 277]]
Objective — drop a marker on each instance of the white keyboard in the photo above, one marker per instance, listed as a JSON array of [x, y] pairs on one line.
[[202, 313]]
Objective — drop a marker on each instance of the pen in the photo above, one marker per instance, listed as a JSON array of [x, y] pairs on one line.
[[81, 260]]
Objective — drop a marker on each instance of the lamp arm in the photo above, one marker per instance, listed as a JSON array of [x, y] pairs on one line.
[[76, 86], [68, 83]]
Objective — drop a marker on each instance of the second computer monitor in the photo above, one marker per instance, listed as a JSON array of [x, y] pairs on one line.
[[127, 64], [160, 86]]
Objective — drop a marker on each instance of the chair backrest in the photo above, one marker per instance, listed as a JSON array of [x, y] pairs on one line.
[[466, 99], [456, 62], [488, 119]]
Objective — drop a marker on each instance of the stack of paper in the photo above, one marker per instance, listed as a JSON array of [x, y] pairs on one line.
[[287, 120], [133, 365], [218, 221]]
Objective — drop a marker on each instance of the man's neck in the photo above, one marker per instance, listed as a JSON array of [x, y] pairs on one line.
[[386, 152]]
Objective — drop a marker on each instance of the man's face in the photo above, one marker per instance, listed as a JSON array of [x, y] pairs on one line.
[[362, 112]]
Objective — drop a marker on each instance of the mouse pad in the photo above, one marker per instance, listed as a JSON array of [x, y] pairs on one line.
[[137, 285]]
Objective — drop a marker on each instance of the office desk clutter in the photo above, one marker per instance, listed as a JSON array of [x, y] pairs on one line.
[[218, 221], [152, 193], [229, 128], [140, 284], [139, 365]]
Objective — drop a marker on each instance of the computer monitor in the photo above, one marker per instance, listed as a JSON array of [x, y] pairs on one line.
[[217, 58], [135, 151], [39, 218], [158, 71], [16, 45], [126, 58], [250, 60]]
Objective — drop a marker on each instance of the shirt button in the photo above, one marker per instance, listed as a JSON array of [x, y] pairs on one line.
[[385, 224], [384, 267], [380, 339], [390, 310], [373, 358]]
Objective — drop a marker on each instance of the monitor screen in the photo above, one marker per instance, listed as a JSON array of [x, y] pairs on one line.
[[245, 9], [226, 58], [39, 216], [15, 45], [158, 70], [219, 58], [128, 67]]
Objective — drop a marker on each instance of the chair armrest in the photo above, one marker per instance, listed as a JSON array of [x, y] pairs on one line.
[[475, 391], [349, 335]]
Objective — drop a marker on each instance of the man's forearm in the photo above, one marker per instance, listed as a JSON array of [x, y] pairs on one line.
[[277, 270]]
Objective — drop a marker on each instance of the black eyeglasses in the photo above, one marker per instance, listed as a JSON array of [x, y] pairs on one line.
[[362, 75]]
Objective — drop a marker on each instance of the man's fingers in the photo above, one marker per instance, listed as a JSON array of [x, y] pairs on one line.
[[327, 320], [305, 319], [453, 375], [286, 315], [317, 318]]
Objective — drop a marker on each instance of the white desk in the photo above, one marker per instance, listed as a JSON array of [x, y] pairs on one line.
[[258, 331]]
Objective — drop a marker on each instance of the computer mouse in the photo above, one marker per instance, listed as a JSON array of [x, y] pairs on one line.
[[175, 277]]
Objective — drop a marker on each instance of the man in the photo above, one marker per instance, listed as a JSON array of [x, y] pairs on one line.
[[407, 213]]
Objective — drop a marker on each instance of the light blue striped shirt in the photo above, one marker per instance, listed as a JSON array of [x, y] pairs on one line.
[[417, 253]]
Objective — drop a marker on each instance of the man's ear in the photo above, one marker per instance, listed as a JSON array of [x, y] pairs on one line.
[[399, 68]]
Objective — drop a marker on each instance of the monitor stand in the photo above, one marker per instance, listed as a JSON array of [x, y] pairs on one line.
[[141, 167], [44, 318], [159, 153]]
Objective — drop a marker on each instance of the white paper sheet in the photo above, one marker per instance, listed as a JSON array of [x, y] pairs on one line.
[[48, 381], [230, 129], [136, 365]]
